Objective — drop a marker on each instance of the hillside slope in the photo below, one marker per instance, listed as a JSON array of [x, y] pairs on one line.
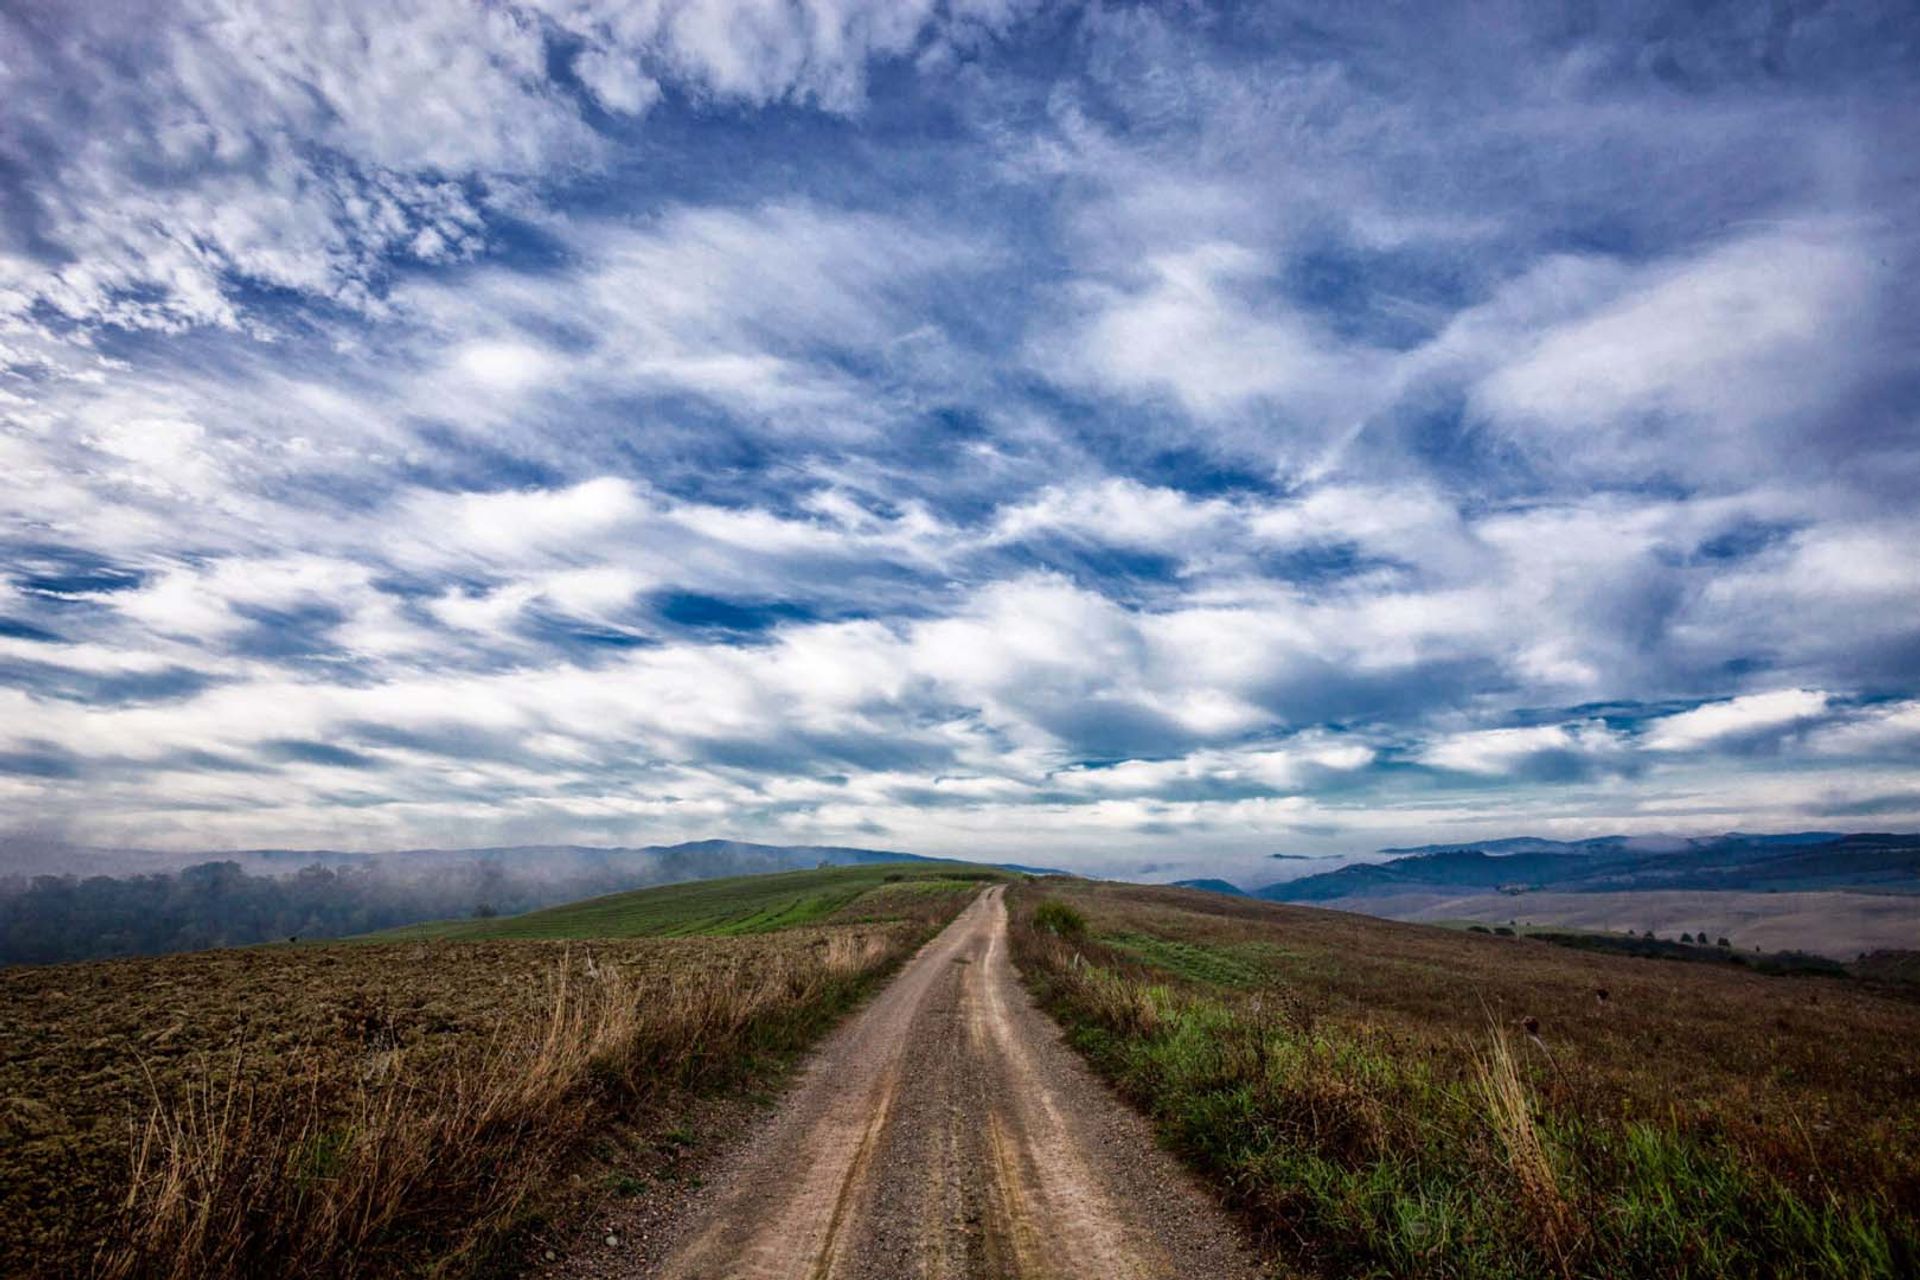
[[725, 907], [1380, 1098], [340, 1109]]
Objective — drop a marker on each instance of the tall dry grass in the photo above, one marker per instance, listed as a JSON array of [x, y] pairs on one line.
[[1510, 1112], [304, 1173]]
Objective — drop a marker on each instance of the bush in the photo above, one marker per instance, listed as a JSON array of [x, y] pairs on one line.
[[1059, 919]]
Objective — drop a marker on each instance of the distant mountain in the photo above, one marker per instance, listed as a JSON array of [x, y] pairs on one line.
[[1618, 845], [1597, 846], [1212, 886], [1614, 864]]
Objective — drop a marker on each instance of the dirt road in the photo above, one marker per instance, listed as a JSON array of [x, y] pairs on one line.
[[946, 1132]]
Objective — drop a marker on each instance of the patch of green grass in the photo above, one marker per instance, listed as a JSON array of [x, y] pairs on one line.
[[731, 907], [1237, 965]]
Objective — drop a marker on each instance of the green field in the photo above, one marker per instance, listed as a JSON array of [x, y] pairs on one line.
[[730, 907]]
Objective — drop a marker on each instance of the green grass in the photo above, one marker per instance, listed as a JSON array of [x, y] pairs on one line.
[[1240, 965], [730, 907]]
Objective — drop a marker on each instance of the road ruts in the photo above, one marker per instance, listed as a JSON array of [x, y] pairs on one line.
[[946, 1132]]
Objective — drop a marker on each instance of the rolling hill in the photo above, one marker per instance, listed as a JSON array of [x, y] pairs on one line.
[[734, 906], [1815, 861]]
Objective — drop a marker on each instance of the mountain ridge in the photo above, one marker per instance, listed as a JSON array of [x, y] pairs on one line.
[[1869, 861]]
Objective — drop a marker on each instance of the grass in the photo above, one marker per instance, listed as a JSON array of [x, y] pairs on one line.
[[1384, 1099], [390, 1107], [736, 906]]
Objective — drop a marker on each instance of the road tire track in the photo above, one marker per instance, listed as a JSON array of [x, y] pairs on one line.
[[946, 1132]]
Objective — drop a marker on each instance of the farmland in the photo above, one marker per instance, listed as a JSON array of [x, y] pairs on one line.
[[1379, 1098], [366, 1107], [735, 906]]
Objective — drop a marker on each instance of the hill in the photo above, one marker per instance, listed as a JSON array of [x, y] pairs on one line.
[[341, 1108], [729, 907], [1869, 862], [1212, 886], [1379, 1098], [265, 895]]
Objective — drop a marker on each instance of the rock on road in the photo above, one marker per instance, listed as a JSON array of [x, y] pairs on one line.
[[945, 1131]]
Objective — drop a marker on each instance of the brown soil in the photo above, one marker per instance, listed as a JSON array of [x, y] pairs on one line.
[[944, 1131]]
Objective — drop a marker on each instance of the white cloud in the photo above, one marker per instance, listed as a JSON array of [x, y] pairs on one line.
[[1697, 353], [1870, 732], [1736, 718], [1500, 752], [1188, 327], [165, 453], [304, 146], [511, 354], [616, 81]]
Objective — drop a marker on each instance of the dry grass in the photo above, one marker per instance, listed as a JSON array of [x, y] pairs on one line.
[[1336, 1076], [358, 1110], [1509, 1105]]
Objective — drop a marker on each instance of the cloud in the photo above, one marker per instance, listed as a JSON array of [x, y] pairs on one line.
[[315, 148], [1187, 328], [1746, 717], [1749, 337], [909, 422], [1546, 752]]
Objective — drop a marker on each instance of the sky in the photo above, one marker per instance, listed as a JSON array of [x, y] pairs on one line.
[[1135, 437]]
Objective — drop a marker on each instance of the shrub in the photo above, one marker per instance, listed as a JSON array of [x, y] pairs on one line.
[[1059, 919]]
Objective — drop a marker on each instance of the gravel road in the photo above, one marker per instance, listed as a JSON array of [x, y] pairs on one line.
[[945, 1131]]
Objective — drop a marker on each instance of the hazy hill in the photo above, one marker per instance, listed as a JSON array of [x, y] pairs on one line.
[[266, 894], [1211, 886], [1816, 860]]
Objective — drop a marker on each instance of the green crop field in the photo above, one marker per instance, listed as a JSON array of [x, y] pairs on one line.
[[734, 906]]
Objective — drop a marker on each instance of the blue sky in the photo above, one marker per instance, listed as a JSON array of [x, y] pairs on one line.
[[1114, 434]]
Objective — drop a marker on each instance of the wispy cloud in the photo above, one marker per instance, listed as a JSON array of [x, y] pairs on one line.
[[953, 425]]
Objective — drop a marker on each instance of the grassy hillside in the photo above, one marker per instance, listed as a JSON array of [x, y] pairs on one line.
[[1388, 1099], [731, 907], [400, 1106]]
